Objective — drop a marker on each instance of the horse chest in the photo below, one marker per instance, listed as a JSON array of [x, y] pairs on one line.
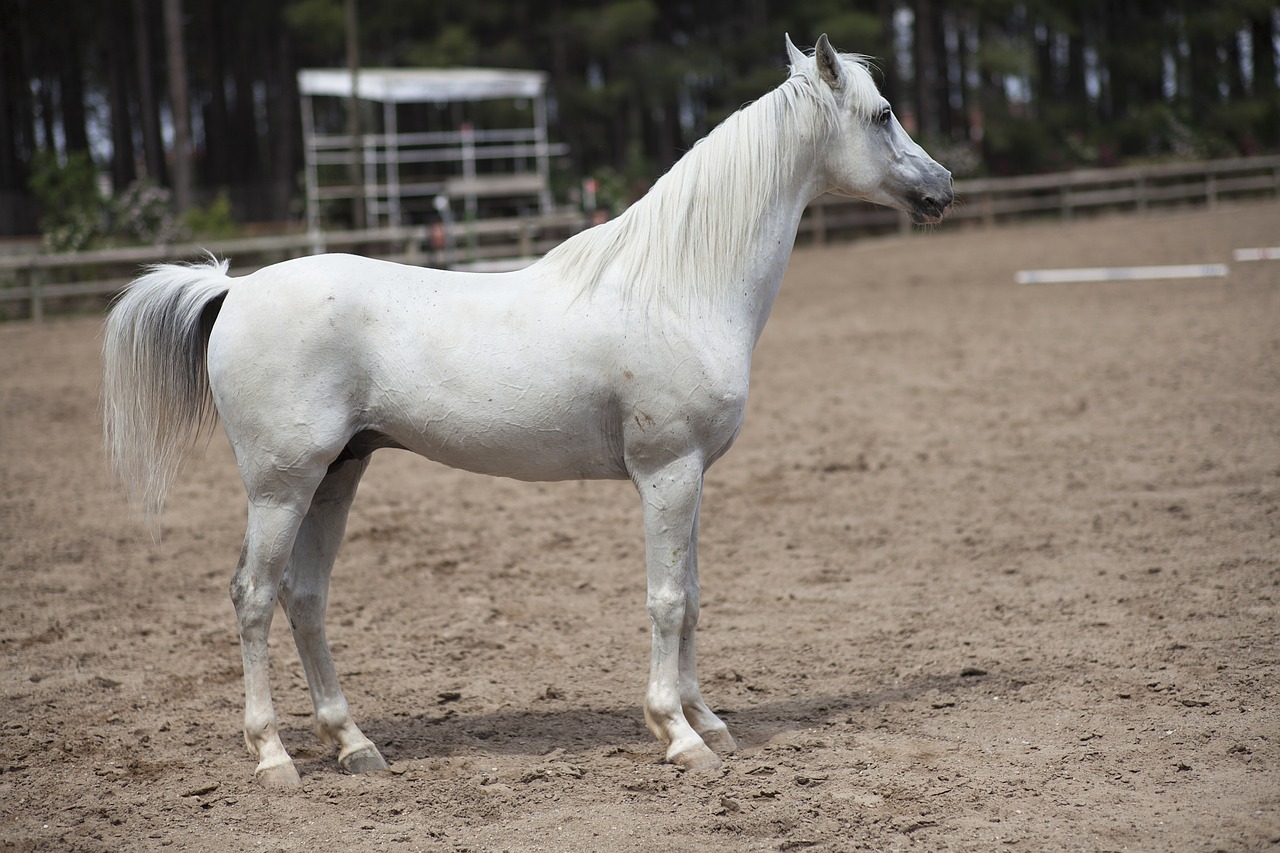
[[673, 407]]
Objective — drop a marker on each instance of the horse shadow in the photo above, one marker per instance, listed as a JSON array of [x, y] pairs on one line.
[[443, 732]]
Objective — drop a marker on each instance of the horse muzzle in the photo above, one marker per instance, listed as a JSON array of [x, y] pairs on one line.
[[930, 204]]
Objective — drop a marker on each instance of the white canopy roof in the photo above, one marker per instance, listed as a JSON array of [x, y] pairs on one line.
[[424, 85]]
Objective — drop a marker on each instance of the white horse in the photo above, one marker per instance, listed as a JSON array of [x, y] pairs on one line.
[[623, 354]]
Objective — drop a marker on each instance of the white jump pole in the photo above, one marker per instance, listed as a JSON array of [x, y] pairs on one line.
[[1121, 273], [1271, 253]]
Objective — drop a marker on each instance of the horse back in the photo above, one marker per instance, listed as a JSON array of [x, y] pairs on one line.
[[485, 372]]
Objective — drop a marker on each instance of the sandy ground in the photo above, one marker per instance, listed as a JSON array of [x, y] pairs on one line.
[[992, 567]]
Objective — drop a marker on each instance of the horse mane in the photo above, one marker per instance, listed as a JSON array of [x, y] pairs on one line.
[[692, 233]]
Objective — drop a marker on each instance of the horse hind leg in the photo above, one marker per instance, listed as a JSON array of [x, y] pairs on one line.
[[304, 596], [273, 526]]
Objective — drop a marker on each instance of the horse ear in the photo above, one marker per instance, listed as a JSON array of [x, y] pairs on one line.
[[794, 56], [829, 67]]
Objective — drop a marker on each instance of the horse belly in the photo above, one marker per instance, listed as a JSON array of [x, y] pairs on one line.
[[515, 413], [499, 444]]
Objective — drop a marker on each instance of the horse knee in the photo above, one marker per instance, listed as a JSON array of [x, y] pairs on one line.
[[667, 608]]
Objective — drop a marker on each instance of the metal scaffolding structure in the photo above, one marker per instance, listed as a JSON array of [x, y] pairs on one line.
[[405, 173]]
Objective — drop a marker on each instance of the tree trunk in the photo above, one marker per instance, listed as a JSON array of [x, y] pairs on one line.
[[179, 95], [123, 169], [71, 88], [353, 120], [889, 38], [148, 113], [1204, 70], [283, 124], [243, 144], [942, 68], [1262, 29], [217, 165], [964, 65], [928, 118], [1077, 91]]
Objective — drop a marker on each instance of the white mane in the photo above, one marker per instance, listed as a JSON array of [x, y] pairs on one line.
[[691, 234]]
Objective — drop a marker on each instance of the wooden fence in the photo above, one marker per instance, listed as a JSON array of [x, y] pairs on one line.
[[1062, 195], [51, 283], [57, 282]]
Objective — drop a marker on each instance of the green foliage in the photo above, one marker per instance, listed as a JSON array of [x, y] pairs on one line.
[[320, 25], [1015, 146], [860, 30], [617, 189], [75, 217], [68, 198], [143, 213], [611, 27], [214, 221], [454, 45], [1030, 85]]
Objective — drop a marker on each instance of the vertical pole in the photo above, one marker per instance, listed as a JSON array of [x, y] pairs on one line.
[[469, 169], [471, 208], [311, 174], [391, 148], [540, 152], [37, 294]]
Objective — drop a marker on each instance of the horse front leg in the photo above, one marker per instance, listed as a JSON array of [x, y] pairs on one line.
[[670, 497], [714, 733], [305, 598]]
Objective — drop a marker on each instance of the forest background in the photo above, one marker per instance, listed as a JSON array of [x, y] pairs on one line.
[[991, 87]]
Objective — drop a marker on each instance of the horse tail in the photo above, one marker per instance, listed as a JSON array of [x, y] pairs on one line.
[[155, 386]]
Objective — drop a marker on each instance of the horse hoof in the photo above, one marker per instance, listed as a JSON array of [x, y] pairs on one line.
[[367, 760], [720, 742], [278, 776], [696, 759]]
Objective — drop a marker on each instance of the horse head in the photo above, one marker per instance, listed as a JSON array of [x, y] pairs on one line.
[[869, 155]]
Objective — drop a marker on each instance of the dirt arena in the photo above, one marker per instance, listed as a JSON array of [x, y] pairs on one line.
[[992, 567]]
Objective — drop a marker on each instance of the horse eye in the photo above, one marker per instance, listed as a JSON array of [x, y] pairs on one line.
[[885, 115]]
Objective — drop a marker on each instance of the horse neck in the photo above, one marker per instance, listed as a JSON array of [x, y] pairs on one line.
[[748, 291], [713, 236]]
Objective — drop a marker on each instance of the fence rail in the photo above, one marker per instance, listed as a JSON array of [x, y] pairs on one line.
[[47, 283], [990, 201]]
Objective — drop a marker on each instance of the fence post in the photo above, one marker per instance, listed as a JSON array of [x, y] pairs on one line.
[[1142, 193], [37, 294], [524, 241], [412, 247]]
